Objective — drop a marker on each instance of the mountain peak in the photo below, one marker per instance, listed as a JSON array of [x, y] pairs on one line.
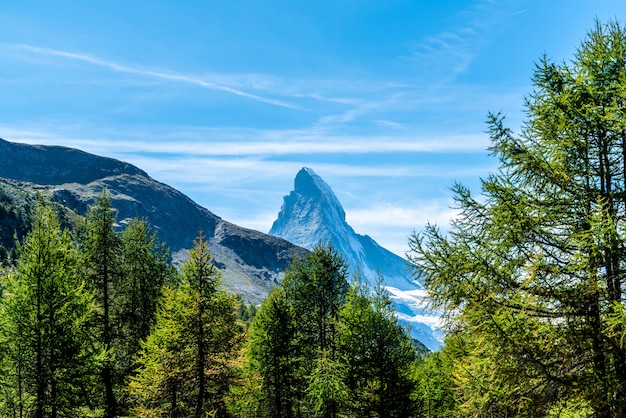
[[307, 182], [311, 214], [308, 210]]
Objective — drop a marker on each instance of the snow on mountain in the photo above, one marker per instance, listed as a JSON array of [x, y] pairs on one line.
[[311, 214]]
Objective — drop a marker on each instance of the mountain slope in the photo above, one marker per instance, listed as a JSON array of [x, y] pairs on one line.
[[312, 214], [57, 165], [252, 262]]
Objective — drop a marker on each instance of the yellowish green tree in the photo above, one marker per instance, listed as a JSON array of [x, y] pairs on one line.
[[531, 275], [185, 365], [50, 366]]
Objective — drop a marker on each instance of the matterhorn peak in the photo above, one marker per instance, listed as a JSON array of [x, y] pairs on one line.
[[308, 182], [311, 214]]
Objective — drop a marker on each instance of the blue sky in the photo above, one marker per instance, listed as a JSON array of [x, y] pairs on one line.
[[385, 99]]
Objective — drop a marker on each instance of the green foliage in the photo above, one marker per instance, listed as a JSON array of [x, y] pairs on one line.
[[126, 272], [160, 376], [316, 287], [186, 362], [530, 275], [101, 249], [434, 394], [4, 256], [50, 367], [145, 269], [16, 207], [329, 395], [247, 312], [377, 352], [322, 348], [275, 354]]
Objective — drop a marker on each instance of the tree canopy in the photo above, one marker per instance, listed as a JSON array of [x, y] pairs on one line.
[[530, 275]]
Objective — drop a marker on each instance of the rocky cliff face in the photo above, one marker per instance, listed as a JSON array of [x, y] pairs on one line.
[[312, 214], [252, 262]]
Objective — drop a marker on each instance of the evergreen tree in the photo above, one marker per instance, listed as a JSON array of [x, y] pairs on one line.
[[327, 390], [44, 326], [434, 394], [126, 272], [274, 353], [185, 364], [145, 269], [531, 274], [4, 254], [377, 352], [293, 337], [316, 288], [101, 249]]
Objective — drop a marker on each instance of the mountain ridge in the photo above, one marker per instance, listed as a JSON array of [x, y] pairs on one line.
[[252, 262], [311, 214], [53, 164]]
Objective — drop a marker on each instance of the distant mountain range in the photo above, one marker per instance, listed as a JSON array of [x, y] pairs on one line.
[[252, 262], [311, 214]]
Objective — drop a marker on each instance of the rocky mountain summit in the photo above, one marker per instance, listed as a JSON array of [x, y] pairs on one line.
[[311, 214], [252, 262]]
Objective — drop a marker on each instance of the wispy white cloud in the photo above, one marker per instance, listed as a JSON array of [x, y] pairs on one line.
[[330, 145], [389, 215], [450, 52], [162, 75], [519, 12], [248, 143], [391, 224], [212, 173], [230, 171], [390, 124], [447, 53], [327, 106], [259, 221]]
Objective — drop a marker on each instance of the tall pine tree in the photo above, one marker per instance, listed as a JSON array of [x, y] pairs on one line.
[[186, 362], [378, 353], [316, 287], [101, 248], [274, 354], [531, 275], [145, 269], [44, 326]]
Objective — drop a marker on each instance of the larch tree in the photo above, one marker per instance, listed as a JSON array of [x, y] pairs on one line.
[[101, 249], [45, 318], [186, 362], [531, 275], [433, 392], [145, 270], [274, 354], [377, 352], [316, 288]]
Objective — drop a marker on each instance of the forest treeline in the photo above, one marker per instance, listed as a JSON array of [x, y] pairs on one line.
[[529, 278], [96, 322]]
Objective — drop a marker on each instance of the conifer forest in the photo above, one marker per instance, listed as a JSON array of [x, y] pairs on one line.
[[96, 321]]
